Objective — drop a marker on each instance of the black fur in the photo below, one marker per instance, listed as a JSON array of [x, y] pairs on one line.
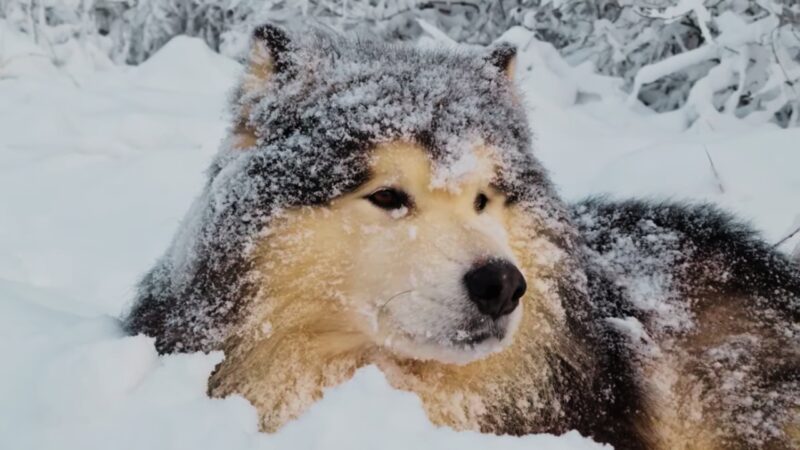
[[718, 262], [502, 55], [277, 42], [709, 239]]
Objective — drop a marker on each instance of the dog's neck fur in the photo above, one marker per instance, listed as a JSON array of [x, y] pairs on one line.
[[283, 371]]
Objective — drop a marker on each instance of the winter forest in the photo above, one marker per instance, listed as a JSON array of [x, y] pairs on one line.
[[731, 57], [112, 110]]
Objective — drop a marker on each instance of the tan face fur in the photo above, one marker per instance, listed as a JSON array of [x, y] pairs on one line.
[[350, 283], [398, 273]]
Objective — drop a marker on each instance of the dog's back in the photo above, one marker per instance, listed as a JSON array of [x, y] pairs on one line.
[[712, 311]]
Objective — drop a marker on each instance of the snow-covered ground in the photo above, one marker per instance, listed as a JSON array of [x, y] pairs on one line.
[[98, 167]]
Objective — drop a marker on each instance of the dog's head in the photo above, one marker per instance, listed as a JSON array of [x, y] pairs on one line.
[[404, 171]]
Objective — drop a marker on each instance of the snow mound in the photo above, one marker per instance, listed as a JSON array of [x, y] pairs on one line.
[[366, 398], [76, 382], [21, 57], [185, 64]]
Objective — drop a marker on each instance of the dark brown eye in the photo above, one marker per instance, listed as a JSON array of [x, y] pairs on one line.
[[389, 198], [481, 201]]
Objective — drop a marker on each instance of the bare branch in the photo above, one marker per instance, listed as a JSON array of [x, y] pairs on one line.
[[789, 236], [720, 186]]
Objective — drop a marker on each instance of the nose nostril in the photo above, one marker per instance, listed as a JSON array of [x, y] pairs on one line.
[[520, 290]]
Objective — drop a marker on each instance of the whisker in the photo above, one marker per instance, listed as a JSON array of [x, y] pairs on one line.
[[380, 309], [436, 246]]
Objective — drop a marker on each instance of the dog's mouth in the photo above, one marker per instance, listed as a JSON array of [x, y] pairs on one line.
[[475, 340], [483, 330]]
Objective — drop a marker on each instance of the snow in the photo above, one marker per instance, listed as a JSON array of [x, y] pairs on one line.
[[75, 382], [592, 146], [95, 389], [175, 67], [98, 168]]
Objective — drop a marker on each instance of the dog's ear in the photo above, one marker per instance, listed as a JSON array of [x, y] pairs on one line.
[[269, 51], [270, 54], [504, 57]]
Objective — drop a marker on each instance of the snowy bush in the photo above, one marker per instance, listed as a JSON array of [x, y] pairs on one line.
[[713, 60], [744, 62], [64, 29]]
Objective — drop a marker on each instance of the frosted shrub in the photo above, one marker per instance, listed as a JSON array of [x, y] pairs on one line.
[[64, 29], [713, 60]]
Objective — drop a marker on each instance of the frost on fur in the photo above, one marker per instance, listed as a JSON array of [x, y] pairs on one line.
[[312, 104], [690, 273]]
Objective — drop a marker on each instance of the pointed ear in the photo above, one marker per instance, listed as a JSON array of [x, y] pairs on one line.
[[504, 57], [270, 48], [269, 51]]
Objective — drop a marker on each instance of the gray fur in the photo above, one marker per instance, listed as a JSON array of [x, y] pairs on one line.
[[332, 100]]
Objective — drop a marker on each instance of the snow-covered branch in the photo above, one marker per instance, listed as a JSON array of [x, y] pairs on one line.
[[662, 49]]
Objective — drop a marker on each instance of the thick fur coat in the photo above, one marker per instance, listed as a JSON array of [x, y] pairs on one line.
[[645, 325]]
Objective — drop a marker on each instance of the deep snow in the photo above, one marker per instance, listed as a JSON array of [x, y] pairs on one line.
[[98, 167]]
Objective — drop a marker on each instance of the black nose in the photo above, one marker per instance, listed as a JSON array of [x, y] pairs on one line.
[[495, 287]]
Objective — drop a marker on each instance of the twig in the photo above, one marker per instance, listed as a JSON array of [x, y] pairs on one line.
[[780, 64], [789, 236], [431, 5], [714, 171]]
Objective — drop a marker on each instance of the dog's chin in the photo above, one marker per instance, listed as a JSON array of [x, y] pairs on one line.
[[462, 347]]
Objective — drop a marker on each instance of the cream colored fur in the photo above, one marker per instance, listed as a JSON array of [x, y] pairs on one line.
[[351, 284]]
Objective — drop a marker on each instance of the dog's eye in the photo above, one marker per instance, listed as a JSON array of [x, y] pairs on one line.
[[388, 198], [481, 201]]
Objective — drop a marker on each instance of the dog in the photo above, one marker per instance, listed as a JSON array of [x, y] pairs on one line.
[[382, 204]]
